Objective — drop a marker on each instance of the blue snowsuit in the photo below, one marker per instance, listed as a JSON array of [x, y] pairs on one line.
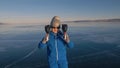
[[56, 50]]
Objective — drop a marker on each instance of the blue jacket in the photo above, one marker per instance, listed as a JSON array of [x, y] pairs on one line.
[[56, 47]]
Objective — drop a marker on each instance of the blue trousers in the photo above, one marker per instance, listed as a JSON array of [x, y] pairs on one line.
[[58, 64]]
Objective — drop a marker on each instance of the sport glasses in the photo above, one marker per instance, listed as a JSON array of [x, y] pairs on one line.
[[56, 27]]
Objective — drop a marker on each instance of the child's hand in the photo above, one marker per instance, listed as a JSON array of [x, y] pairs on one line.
[[66, 38], [46, 38]]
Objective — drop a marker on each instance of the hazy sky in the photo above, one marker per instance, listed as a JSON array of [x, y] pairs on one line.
[[34, 11]]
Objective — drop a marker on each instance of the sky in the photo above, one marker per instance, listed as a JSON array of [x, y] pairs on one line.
[[39, 11]]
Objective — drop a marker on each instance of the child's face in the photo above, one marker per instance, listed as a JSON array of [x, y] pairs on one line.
[[55, 29]]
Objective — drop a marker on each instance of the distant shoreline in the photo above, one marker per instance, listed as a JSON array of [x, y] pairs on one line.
[[2, 23], [99, 20], [77, 21]]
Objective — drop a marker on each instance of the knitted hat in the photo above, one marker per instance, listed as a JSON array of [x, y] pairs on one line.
[[55, 22]]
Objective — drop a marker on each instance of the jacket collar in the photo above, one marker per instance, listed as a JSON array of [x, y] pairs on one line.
[[59, 34]]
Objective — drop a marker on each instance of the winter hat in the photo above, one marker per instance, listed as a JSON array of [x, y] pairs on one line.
[[55, 22]]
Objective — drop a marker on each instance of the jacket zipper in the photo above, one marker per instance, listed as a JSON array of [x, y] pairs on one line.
[[56, 49]]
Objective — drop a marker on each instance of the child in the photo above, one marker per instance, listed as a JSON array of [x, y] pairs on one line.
[[56, 43]]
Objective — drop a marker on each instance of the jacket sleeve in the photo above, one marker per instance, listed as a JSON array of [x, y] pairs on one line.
[[70, 44], [41, 44]]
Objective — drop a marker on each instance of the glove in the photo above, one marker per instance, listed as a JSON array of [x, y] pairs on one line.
[[47, 28], [64, 28]]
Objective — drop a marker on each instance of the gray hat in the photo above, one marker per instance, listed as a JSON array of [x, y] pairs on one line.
[[55, 22]]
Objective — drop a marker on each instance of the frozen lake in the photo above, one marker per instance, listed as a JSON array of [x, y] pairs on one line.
[[97, 45]]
